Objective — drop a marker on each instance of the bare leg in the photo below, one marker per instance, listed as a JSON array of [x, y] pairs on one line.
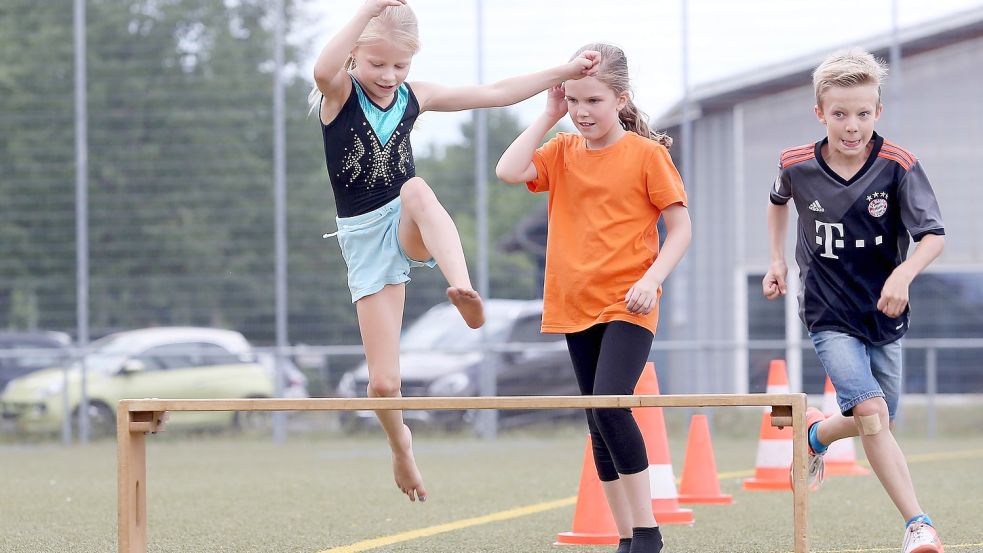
[[379, 320], [838, 427], [426, 230], [639, 493], [614, 491], [886, 458]]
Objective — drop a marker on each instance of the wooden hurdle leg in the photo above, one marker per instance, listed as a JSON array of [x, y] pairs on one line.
[[800, 489], [131, 475]]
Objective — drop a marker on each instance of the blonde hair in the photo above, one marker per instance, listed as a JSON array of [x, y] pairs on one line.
[[847, 68], [397, 24], [613, 71]]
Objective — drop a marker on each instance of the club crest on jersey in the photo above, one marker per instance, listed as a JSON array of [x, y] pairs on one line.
[[877, 204]]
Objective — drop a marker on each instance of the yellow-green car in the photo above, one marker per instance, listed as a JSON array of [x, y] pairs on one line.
[[166, 362]]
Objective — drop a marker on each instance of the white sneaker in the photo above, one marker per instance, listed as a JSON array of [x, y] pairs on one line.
[[921, 538], [817, 466], [817, 471]]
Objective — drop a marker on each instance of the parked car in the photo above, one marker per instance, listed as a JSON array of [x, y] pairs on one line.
[[440, 356], [166, 362], [295, 384], [25, 352]]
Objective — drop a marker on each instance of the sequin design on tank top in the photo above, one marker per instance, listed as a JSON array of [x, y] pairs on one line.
[[384, 135]]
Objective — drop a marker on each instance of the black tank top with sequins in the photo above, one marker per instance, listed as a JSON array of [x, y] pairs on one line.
[[368, 152]]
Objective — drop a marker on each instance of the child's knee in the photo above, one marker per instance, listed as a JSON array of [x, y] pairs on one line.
[[871, 416], [415, 193], [383, 387]]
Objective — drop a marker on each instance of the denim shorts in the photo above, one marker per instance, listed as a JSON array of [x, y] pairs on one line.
[[370, 245], [860, 371]]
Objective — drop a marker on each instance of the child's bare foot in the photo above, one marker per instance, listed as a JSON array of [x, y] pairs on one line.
[[468, 303], [408, 478]]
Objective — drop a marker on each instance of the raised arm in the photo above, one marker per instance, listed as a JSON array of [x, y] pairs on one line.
[[516, 166], [435, 97], [773, 285], [329, 71]]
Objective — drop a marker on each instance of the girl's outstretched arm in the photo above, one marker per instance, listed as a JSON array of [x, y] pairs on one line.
[[516, 166], [642, 296], [329, 71], [435, 97]]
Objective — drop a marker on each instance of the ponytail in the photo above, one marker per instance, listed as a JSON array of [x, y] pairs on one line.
[[633, 119]]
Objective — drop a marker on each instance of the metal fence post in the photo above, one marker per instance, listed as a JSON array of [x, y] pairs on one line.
[[931, 387]]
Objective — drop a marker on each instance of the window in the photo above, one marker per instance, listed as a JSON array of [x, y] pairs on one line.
[[766, 321], [214, 354], [946, 305], [170, 356], [42, 355], [943, 305], [185, 355]]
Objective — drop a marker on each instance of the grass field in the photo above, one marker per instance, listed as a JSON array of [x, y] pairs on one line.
[[331, 493]]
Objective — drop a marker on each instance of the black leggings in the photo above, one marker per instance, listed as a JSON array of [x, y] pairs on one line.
[[608, 359]]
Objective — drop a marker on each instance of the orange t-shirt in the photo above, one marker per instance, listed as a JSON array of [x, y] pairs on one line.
[[604, 207]]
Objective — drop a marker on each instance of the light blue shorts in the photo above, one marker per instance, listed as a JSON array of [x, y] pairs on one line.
[[860, 371], [370, 245]]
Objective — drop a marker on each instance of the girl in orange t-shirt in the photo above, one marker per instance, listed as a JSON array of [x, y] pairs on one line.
[[604, 270]]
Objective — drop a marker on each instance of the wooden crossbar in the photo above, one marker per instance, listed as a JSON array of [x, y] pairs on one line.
[[135, 418]]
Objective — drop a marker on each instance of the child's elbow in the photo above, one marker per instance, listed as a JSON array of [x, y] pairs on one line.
[[505, 175], [323, 77]]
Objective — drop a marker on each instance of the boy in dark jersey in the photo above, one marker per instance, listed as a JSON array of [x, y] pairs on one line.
[[858, 198]]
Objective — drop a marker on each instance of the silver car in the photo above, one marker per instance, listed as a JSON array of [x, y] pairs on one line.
[[441, 356]]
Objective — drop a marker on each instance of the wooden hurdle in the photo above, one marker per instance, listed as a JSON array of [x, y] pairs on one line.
[[135, 418]]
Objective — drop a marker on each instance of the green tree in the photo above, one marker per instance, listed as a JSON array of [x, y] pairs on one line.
[[181, 176], [36, 163]]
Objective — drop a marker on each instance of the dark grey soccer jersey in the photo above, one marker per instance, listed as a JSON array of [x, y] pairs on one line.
[[852, 234]]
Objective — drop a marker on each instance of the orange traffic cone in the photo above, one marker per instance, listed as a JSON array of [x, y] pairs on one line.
[[771, 469], [665, 501], [593, 523], [700, 483], [841, 457]]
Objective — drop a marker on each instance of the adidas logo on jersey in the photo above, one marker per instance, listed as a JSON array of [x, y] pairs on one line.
[[815, 206]]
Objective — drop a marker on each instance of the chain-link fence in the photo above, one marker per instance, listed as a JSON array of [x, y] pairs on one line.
[[179, 175]]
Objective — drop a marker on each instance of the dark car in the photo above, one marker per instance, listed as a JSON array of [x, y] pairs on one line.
[[441, 356], [25, 352]]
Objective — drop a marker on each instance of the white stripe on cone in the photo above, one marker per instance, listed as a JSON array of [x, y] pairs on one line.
[[662, 483], [774, 454]]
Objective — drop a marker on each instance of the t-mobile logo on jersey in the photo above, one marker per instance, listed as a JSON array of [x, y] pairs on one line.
[[830, 236]]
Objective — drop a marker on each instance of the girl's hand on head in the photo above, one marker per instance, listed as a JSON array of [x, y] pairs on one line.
[[584, 65], [642, 298], [375, 7], [556, 102]]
